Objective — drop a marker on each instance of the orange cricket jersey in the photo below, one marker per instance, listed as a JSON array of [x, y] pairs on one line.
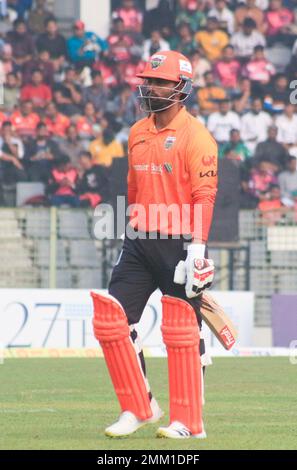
[[173, 168]]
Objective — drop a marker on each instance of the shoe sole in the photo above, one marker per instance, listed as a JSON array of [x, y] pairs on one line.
[[162, 433], [149, 421]]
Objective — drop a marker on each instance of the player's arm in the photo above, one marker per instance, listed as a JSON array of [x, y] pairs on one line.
[[201, 159], [131, 180]]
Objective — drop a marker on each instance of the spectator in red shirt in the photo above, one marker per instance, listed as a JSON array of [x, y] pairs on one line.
[[57, 123], [279, 21], [21, 42], [228, 68], [62, 183], [37, 91], [25, 120], [130, 15], [120, 42]]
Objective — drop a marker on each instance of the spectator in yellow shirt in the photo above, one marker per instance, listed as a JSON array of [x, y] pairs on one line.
[[212, 40], [105, 147], [209, 95]]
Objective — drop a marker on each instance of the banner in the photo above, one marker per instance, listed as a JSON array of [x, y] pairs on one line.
[[61, 319], [284, 319]]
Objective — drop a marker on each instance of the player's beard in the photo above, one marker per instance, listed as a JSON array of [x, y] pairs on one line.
[[157, 105]]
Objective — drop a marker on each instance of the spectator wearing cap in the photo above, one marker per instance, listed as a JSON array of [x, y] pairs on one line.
[[249, 10], [200, 66], [259, 69], [11, 155], [39, 154], [228, 68], [37, 91], [246, 39], [11, 93], [131, 16], [56, 122], [96, 93], [38, 16], [155, 44], [84, 46], [209, 95], [286, 124], [193, 14], [271, 150], [279, 21], [224, 16], [25, 120], [255, 125], [184, 42], [53, 42], [212, 40], [71, 145], [221, 122], [43, 63], [21, 42]]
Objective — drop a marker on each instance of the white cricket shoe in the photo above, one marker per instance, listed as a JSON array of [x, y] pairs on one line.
[[177, 430], [129, 423]]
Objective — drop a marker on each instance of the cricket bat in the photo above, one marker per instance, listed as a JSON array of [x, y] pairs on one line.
[[217, 320]]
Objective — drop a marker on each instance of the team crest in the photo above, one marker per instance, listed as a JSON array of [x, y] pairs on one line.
[[157, 60], [169, 142]]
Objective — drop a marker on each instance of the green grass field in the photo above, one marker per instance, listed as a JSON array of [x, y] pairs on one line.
[[251, 403]]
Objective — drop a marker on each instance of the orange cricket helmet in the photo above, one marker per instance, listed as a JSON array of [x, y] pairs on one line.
[[165, 65], [168, 65]]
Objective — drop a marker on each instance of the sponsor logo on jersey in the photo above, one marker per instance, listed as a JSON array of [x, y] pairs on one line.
[[169, 142], [208, 174], [141, 167], [156, 169], [208, 160], [168, 167]]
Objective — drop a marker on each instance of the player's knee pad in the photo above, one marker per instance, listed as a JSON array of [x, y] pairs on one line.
[[112, 331], [181, 336]]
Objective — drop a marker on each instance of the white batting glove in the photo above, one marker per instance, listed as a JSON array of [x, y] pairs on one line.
[[196, 271]]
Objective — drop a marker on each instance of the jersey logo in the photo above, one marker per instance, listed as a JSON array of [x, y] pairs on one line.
[[169, 142]]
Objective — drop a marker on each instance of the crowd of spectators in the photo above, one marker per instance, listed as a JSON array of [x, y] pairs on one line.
[[69, 100]]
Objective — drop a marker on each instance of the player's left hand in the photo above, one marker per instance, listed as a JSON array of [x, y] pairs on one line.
[[196, 271]]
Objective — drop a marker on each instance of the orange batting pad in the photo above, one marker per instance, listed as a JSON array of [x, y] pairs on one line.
[[112, 331], [181, 336]]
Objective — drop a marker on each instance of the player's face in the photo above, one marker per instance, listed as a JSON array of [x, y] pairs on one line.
[[158, 93]]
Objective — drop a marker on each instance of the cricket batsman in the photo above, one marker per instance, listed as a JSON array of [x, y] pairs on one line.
[[172, 184]]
